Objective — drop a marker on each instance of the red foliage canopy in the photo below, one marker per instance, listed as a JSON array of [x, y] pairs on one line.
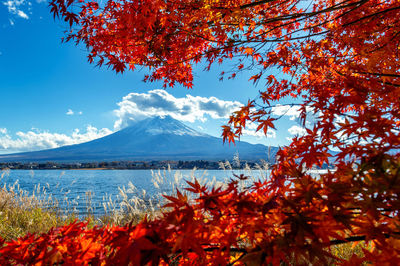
[[340, 58]]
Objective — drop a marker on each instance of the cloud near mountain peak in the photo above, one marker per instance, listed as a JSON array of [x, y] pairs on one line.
[[137, 106]]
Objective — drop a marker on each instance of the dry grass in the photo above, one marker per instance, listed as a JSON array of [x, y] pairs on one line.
[[21, 214]]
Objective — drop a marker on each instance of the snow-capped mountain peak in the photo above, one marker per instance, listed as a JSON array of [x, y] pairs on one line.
[[165, 125]]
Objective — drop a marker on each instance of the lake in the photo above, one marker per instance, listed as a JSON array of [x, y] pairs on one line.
[[74, 188]]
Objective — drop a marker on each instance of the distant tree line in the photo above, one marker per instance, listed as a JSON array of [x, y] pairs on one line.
[[200, 164]]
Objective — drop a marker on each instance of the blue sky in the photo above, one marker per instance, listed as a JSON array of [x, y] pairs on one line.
[[51, 96]]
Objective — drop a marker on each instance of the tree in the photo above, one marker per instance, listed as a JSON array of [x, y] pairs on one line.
[[340, 58]]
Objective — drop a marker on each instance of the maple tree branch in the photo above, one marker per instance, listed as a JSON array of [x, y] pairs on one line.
[[371, 15], [256, 4], [379, 74], [301, 17], [307, 28], [381, 81], [359, 238], [335, 242], [391, 84], [385, 44], [312, 14]]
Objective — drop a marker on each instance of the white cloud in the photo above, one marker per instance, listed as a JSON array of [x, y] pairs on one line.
[[136, 106], [3, 130], [22, 14], [250, 130], [71, 112], [15, 7], [339, 119], [38, 140], [297, 130], [292, 111]]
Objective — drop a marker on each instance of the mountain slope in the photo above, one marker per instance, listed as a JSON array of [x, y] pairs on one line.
[[150, 139]]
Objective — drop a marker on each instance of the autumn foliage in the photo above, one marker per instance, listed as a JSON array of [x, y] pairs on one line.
[[338, 60]]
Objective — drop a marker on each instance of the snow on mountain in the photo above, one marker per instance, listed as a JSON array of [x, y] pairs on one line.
[[165, 125]]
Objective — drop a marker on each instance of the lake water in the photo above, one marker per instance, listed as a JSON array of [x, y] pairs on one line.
[[73, 188]]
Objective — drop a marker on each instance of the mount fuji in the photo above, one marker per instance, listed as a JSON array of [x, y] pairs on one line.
[[147, 140]]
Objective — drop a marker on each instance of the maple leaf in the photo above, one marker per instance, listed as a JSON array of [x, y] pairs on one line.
[[196, 187]]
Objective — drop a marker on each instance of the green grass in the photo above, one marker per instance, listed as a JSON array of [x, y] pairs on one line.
[[21, 214]]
